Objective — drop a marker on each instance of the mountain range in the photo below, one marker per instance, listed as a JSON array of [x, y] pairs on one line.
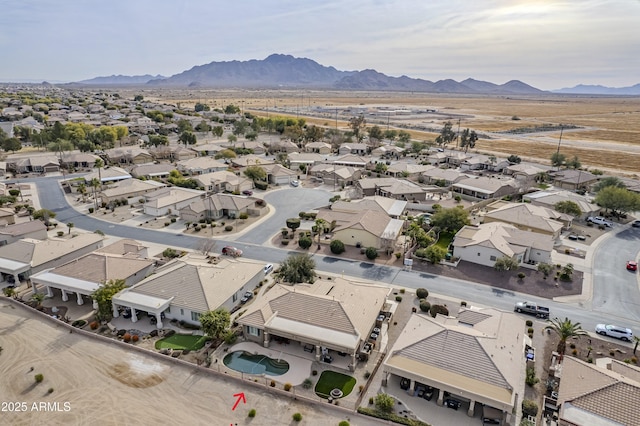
[[589, 89], [279, 71]]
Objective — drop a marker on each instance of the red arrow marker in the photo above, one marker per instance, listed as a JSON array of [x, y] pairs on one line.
[[240, 397]]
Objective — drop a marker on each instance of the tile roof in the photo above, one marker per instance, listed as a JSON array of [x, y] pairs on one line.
[[23, 228], [102, 267], [38, 252]]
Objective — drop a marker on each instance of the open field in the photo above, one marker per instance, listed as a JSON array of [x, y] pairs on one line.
[[608, 137], [102, 383]]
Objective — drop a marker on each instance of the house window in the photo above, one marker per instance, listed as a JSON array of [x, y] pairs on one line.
[[195, 316], [253, 331], [491, 258], [181, 312]]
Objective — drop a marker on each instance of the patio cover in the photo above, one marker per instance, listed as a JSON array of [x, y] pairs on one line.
[[141, 302], [62, 282], [9, 266], [323, 336]]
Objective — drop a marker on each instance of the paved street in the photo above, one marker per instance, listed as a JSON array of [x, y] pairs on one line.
[[616, 297]]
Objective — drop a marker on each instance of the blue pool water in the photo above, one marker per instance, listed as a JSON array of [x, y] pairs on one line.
[[255, 364]]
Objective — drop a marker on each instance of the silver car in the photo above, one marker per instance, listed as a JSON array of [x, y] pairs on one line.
[[616, 331]]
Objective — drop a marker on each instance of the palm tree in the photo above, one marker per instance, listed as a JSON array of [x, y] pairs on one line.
[[99, 164], [38, 298], [9, 292], [70, 225], [565, 329], [95, 183], [321, 224], [82, 189]]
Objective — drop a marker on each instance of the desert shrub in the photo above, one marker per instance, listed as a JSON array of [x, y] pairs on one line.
[[337, 247], [403, 291], [425, 306], [297, 417], [314, 373], [284, 242], [50, 390], [531, 378], [422, 293], [384, 402], [529, 408], [196, 228], [135, 337], [39, 378], [252, 413], [60, 233], [343, 423], [463, 303], [575, 352], [530, 330], [521, 275], [173, 220], [228, 228], [307, 383], [572, 345], [529, 323], [167, 223], [360, 388], [305, 242], [367, 374], [371, 253], [272, 384], [287, 387], [438, 309], [126, 337], [398, 298], [90, 210], [93, 325], [170, 253]]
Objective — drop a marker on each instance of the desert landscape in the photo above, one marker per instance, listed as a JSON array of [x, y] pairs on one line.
[[605, 126]]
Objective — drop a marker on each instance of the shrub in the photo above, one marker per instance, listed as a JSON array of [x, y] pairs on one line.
[[314, 373], [371, 253], [273, 384], [530, 330], [60, 233], [230, 337], [438, 309], [463, 303], [305, 242], [228, 228], [531, 378], [284, 242], [50, 390], [572, 346], [574, 352], [529, 323], [422, 293], [521, 275], [297, 417], [425, 306], [529, 408], [126, 337], [135, 337], [90, 210], [337, 247], [93, 325], [343, 423], [287, 387], [196, 228], [167, 223], [398, 298], [384, 402], [39, 378], [367, 374], [370, 400], [307, 383], [173, 220], [252, 413], [398, 255]]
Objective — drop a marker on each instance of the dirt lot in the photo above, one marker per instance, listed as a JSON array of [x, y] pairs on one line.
[[105, 384]]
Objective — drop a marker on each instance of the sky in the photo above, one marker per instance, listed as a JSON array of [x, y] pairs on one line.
[[548, 44]]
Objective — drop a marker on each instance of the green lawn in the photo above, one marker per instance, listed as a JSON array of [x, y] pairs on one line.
[[182, 341], [444, 240], [330, 380]]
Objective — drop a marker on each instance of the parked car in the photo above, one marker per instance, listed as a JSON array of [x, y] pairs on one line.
[[247, 192], [405, 383], [268, 268], [616, 331], [599, 220], [632, 265], [425, 392], [327, 358], [636, 223], [452, 403], [231, 251], [295, 183], [246, 297], [532, 309]]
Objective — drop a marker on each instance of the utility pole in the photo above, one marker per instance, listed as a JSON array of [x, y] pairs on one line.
[[559, 142], [458, 138]]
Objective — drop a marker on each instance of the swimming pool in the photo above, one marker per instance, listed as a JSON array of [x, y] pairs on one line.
[[247, 362]]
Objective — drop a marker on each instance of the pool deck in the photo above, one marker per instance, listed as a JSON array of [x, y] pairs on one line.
[[299, 368]]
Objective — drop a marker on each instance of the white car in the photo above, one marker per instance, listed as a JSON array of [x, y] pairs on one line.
[[295, 183], [599, 220], [616, 331], [268, 268]]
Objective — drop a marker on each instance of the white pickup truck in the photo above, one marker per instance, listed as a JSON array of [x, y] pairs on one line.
[[599, 220], [532, 309]]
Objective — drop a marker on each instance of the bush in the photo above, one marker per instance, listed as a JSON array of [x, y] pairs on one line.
[[530, 330], [371, 253], [384, 403], [307, 383], [521, 275], [252, 413], [39, 378], [529, 408], [273, 384], [284, 242], [50, 390], [93, 325], [314, 373], [463, 303], [167, 223], [531, 378], [287, 387], [173, 220], [228, 228], [422, 293], [438, 309], [425, 306], [305, 242], [398, 298], [60, 233], [90, 210], [337, 247], [343, 423], [126, 337], [529, 323], [135, 338], [297, 417]]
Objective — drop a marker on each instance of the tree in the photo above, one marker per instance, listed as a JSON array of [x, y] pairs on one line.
[[375, 134], [214, 323], [95, 184], [574, 163], [297, 268], [565, 329], [558, 159], [188, 138], [435, 254], [37, 298], [468, 139], [384, 403], [608, 181], [321, 226], [357, 124], [103, 295], [381, 168], [451, 219], [390, 134], [203, 126], [12, 144], [545, 268], [255, 173], [337, 247], [506, 263], [157, 140], [568, 207], [438, 309], [566, 272], [43, 215], [70, 225], [514, 159], [618, 199], [217, 131], [293, 223], [446, 134], [99, 164], [422, 293], [404, 136]]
